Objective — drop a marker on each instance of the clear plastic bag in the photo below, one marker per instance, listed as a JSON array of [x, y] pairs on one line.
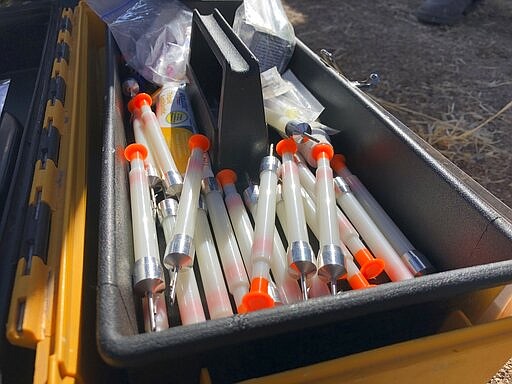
[[153, 35], [287, 95], [287, 101], [264, 27]]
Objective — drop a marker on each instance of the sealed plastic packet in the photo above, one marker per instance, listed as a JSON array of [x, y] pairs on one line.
[[285, 97], [264, 27], [153, 35]]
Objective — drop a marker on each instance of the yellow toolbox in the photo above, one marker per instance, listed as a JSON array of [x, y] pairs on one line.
[[464, 350], [52, 300]]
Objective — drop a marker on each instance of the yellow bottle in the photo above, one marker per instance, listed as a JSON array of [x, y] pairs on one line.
[[176, 120]]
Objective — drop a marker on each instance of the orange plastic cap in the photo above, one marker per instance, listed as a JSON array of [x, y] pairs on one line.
[[133, 151], [286, 146], [370, 267], [358, 281], [258, 298], [226, 176], [131, 107], [242, 309], [338, 162], [322, 150], [140, 100], [373, 268], [199, 141]]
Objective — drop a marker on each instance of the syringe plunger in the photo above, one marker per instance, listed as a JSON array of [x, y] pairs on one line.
[[141, 105], [262, 247], [300, 254], [331, 261], [180, 251], [412, 258], [147, 274]]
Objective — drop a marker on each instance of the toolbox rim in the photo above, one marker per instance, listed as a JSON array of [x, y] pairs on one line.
[[179, 342]]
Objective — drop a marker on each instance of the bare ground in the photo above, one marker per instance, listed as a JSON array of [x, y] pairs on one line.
[[451, 85]]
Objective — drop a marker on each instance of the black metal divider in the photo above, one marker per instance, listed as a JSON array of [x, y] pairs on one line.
[[226, 94]]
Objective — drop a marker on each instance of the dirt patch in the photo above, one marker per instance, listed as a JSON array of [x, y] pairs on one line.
[[451, 85]]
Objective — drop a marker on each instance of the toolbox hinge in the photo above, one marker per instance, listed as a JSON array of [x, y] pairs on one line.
[[62, 51], [49, 145], [66, 24], [36, 234], [31, 313], [57, 89]]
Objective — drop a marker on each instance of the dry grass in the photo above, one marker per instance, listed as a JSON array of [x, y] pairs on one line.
[[468, 139]]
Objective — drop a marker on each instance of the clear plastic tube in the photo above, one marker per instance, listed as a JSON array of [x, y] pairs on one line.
[[318, 288], [167, 210], [306, 146], [180, 251], [414, 260], [297, 231], [283, 220], [370, 267], [288, 288], [189, 301], [300, 254], [262, 241], [147, 272], [331, 261], [239, 218], [262, 246], [185, 287], [215, 290], [231, 259], [145, 242], [153, 174], [354, 276], [394, 267], [140, 106]]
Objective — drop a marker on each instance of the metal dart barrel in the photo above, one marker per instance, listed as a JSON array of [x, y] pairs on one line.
[[300, 255], [355, 277], [262, 246], [216, 294], [413, 259], [331, 260], [287, 287], [370, 267], [147, 273], [140, 106], [232, 263], [151, 169], [180, 250], [394, 267]]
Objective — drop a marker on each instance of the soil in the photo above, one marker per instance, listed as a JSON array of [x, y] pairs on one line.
[[452, 85], [440, 81]]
